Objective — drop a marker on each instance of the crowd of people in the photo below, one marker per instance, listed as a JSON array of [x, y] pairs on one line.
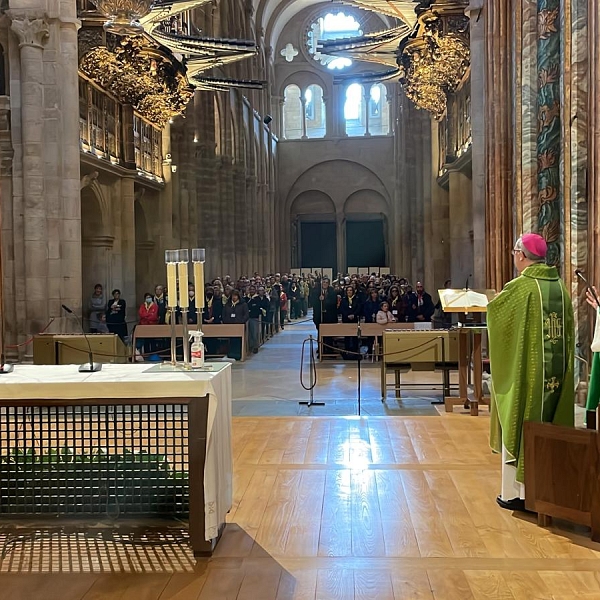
[[267, 303]]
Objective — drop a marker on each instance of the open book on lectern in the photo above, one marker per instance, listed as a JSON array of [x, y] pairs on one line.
[[465, 301]]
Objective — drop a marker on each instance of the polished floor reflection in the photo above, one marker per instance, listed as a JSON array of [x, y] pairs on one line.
[[269, 383]]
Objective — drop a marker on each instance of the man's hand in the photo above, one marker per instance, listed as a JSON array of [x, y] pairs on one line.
[[590, 299], [321, 298]]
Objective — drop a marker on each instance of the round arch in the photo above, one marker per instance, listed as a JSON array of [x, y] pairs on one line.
[[339, 179], [96, 246]]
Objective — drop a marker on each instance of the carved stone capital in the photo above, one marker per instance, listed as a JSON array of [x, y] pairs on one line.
[[88, 179], [31, 33]]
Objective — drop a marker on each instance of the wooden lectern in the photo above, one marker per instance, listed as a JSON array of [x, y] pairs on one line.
[[468, 302]]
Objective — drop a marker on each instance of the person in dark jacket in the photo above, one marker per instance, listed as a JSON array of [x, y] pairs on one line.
[[235, 312], [116, 315], [324, 303], [258, 305], [371, 307], [369, 310], [351, 311], [397, 304], [420, 306]]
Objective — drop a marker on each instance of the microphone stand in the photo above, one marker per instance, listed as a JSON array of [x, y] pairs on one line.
[[91, 366]]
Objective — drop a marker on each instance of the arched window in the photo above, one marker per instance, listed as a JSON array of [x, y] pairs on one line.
[[292, 113], [332, 26], [354, 110], [379, 111], [314, 110]]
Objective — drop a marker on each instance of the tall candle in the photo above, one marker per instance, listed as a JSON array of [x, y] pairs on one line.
[[171, 285], [184, 300], [199, 284]]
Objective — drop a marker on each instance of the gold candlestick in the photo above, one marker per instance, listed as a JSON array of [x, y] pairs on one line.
[[198, 258], [183, 278], [171, 258]]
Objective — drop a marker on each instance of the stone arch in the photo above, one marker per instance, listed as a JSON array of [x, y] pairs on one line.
[[366, 218], [339, 179], [312, 203], [292, 112], [366, 201], [313, 237], [303, 78], [96, 246], [144, 251]]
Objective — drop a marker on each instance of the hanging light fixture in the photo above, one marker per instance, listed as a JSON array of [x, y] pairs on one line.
[[123, 16], [434, 62]]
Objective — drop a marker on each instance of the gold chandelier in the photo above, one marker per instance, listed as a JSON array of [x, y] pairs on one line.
[[434, 63], [123, 16]]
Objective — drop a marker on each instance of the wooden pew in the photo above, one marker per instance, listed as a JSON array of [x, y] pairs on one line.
[[366, 330], [209, 331]]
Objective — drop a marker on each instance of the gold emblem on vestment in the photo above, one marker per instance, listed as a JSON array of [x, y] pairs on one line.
[[554, 328], [552, 384]]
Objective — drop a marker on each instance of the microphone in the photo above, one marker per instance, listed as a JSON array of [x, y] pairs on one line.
[[587, 285], [91, 366], [467, 283]]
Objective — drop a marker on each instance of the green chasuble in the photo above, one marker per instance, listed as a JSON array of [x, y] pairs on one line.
[[593, 398], [532, 349]]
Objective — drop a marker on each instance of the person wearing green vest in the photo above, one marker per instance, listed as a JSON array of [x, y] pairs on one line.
[[531, 350]]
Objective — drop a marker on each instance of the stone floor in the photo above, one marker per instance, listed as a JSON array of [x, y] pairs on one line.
[[268, 383]]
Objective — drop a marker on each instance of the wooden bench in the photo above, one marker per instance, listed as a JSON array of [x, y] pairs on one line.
[[433, 350], [209, 331]]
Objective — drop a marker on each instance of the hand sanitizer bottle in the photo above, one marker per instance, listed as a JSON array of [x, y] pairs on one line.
[[197, 349]]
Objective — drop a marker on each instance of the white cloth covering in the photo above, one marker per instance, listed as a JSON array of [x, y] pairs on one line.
[[146, 381], [511, 488]]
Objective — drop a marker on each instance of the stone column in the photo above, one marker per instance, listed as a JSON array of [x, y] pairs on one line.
[[366, 99], [440, 215], [461, 234], [340, 234], [478, 98], [499, 15], [65, 84], [32, 36], [303, 116], [549, 149], [127, 201], [240, 224]]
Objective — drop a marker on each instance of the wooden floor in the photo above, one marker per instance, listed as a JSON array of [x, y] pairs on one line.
[[335, 508]]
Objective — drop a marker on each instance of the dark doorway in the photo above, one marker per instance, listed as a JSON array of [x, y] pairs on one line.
[[365, 244], [318, 246]]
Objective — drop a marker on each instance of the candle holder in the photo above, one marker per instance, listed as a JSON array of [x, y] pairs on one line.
[[198, 260], [184, 300], [171, 260]]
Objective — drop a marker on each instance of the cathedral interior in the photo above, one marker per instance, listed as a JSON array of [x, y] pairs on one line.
[[419, 137]]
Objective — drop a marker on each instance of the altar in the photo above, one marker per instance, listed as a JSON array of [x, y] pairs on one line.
[[131, 441]]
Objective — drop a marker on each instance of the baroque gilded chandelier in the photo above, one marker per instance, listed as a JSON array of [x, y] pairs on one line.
[[123, 16], [155, 57], [434, 62]]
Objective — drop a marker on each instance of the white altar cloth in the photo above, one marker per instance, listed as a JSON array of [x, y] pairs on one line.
[[146, 381]]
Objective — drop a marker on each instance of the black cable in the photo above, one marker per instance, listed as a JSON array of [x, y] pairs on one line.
[[312, 367]]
